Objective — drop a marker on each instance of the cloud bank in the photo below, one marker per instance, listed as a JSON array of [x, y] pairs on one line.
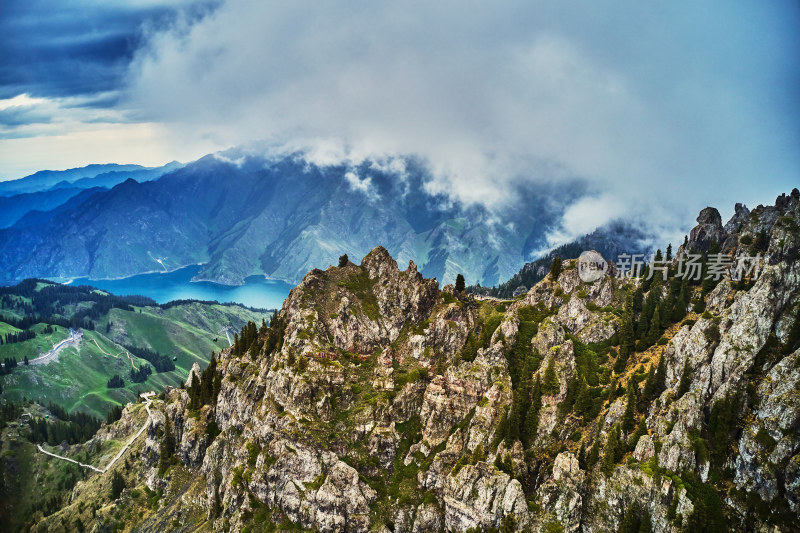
[[656, 109], [651, 105]]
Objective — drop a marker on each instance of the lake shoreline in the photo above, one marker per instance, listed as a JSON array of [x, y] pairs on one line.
[[257, 292]]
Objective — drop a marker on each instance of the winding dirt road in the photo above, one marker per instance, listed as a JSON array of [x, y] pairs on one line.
[[147, 399], [117, 355], [73, 339]]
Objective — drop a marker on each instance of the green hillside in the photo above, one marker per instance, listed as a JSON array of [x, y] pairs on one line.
[[77, 378]]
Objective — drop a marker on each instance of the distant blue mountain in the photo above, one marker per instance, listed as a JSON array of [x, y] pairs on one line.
[[13, 208], [276, 217], [83, 178], [48, 189]]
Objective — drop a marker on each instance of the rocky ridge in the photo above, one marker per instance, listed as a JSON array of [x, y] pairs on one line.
[[376, 401]]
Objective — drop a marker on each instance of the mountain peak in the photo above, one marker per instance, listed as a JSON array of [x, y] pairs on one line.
[[708, 230], [378, 261]]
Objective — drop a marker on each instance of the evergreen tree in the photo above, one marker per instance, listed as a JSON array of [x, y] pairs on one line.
[[582, 457], [594, 453], [555, 268], [207, 381], [641, 325], [478, 454], [583, 401], [551, 386], [641, 430], [508, 524], [627, 336], [682, 303], [721, 420], [630, 520], [760, 244], [114, 414], [698, 520], [654, 332], [793, 338], [628, 418], [217, 507], [501, 431], [708, 282], [661, 376], [655, 383], [638, 300], [117, 485], [647, 523], [514, 419], [532, 419], [648, 393], [611, 451], [166, 448], [460, 283], [673, 507], [666, 310], [343, 260]]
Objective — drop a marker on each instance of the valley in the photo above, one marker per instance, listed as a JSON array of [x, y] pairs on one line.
[[76, 375]]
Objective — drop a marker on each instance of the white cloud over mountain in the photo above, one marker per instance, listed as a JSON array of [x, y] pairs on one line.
[[659, 109]]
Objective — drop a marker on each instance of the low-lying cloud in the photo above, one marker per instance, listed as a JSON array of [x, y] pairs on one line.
[[656, 109], [667, 105]]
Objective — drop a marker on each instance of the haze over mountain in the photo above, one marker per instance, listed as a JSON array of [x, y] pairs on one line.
[[47, 189], [244, 215], [464, 140], [609, 240]]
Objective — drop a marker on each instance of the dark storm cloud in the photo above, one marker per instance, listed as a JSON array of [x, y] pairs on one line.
[[19, 115], [72, 48]]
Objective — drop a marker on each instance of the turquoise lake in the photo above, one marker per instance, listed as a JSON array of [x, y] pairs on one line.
[[164, 287]]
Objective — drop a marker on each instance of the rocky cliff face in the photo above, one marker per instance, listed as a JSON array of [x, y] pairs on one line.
[[377, 402]]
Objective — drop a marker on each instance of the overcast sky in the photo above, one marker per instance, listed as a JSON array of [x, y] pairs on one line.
[[661, 107]]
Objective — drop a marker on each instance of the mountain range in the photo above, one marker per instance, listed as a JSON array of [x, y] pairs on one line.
[[376, 401], [244, 215], [48, 189]]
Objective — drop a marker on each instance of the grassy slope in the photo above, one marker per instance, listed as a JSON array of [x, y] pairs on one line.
[[36, 478], [42, 343], [7, 328], [40, 482], [77, 381]]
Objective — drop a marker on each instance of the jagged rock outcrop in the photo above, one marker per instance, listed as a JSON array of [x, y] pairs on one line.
[[708, 230], [377, 402]]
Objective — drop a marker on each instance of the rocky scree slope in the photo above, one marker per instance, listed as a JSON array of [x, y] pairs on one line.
[[377, 402]]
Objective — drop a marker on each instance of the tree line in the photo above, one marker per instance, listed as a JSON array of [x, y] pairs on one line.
[[140, 375], [115, 382], [161, 363], [69, 427], [49, 304]]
